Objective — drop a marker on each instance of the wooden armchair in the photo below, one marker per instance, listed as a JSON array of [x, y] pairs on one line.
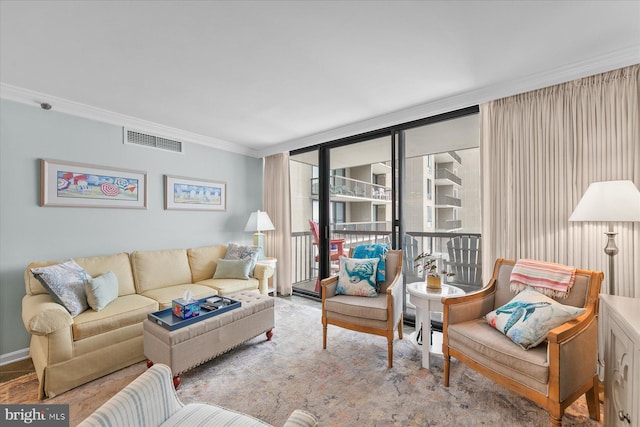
[[380, 315], [335, 252], [553, 374]]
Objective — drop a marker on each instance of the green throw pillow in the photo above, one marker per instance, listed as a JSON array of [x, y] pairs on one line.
[[233, 269], [102, 290]]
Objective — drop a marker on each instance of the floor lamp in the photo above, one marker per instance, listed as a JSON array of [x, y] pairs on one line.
[[259, 221], [609, 201]]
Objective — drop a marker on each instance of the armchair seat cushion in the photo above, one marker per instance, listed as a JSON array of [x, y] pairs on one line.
[[356, 306], [483, 343]]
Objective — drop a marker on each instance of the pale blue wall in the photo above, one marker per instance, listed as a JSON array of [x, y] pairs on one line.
[[29, 232]]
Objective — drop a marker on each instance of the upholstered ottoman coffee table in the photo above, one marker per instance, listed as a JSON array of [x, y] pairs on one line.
[[201, 341]]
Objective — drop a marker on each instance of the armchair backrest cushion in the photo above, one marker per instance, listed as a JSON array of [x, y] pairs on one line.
[[393, 268], [578, 296]]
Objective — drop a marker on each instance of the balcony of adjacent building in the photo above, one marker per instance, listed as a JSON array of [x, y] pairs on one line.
[[447, 201], [445, 176], [348, 189]]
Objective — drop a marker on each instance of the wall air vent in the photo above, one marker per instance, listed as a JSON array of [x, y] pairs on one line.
[[146, 140]]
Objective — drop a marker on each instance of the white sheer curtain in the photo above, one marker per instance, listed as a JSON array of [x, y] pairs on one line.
[[540, 151], [277, 203]]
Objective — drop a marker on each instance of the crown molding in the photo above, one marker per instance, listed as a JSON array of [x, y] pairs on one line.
[[30, 97], [600, 64]]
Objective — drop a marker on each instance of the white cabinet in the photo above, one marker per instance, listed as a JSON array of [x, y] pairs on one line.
[[620, 317]]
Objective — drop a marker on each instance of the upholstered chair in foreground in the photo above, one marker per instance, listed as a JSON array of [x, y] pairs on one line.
[[552, 374], [379, 315], [151, 400]]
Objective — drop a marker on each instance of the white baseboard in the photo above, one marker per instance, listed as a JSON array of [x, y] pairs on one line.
[[14, 356]]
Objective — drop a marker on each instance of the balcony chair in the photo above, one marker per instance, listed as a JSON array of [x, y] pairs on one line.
[[380, 315], [465, 262], [337, 250], [554, 373]]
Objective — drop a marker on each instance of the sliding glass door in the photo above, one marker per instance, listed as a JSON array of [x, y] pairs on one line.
[[413, 186]]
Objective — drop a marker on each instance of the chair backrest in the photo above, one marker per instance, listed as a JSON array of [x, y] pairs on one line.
[[410, 249], [465, 260], [393, 267], [583, 293], [315, 231]]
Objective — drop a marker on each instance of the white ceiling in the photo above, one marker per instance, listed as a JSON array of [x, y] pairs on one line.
[[268, 76]]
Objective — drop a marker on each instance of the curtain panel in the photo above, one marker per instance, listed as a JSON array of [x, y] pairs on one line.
[[539, 152], [277, 203]]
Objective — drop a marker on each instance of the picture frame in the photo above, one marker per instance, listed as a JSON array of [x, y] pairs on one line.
[[70, 184], [194, 194]]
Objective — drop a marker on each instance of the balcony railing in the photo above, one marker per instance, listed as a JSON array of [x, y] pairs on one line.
[[304, 268], [450, 224], [443, 200], [348, 187], [446, 175]]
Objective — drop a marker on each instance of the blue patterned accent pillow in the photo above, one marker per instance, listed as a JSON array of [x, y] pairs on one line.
[[236, 251], [65, 282], [357, 277], [375, 250], [529, 316]]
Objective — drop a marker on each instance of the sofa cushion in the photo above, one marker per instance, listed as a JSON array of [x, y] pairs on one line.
[[164, 296], [229, 286], [203, 261], [233, 269], [124, 311], [101, 290], [65, 282], [160, 269], [118, 263]]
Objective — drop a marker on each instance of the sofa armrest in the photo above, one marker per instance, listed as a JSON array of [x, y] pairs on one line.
[[41, 315], [148, 400], [299, 418], [262, 272]]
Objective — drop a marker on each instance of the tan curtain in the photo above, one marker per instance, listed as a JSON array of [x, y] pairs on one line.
[[276, 202], [540, 151]]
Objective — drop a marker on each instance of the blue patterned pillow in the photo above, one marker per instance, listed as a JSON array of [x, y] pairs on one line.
[[357, 277], [529, 316], [236, 251], [375, 250], [65, 282]]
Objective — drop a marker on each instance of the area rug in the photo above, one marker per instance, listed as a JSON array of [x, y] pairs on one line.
[[348, 384]]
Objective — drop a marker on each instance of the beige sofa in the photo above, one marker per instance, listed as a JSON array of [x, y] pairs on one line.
[[70, 351]]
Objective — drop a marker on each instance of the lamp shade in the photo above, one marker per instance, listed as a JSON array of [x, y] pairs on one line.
[[610, 201], [259, 221]]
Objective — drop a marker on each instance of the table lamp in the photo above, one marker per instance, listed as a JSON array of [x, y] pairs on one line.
[[609, 201], [259, 221]]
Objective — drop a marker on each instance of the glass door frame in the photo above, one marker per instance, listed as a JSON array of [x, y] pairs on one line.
[[397, 141]]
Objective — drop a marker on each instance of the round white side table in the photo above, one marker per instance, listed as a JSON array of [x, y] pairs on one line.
[[427, 300]]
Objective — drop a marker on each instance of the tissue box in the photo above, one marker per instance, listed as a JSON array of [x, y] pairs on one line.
[[185, 309]]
